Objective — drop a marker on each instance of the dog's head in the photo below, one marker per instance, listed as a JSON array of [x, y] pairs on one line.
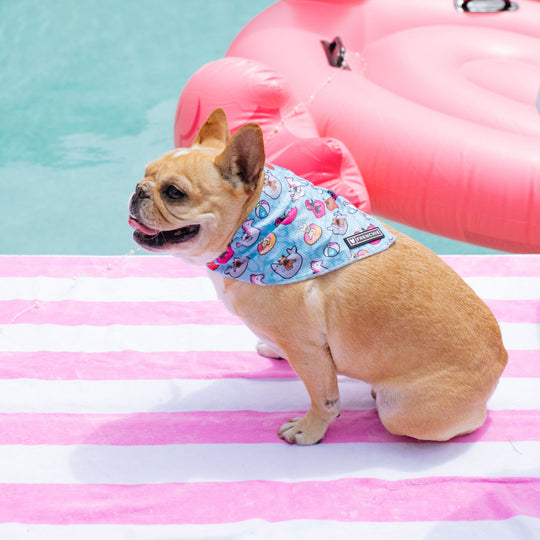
[[193, 200]]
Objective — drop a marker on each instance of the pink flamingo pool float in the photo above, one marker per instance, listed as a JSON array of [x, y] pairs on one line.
[[425, 112]]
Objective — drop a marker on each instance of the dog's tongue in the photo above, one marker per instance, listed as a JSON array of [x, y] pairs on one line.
[[140, 227]]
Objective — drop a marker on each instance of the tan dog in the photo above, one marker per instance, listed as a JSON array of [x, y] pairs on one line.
[[401, 320]]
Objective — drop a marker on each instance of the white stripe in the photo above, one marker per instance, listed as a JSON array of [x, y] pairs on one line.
[[188, 395], [117, 337], [151, 289], [521, 336], [522, 527], [130, 289], [194, 337], [506, 288], [278, 462], [516, 393]]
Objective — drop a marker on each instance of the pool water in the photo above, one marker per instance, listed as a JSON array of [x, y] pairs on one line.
[[88, 92]]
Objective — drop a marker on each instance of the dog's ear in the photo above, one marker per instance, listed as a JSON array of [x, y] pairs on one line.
[[242, 161], [214, 130]]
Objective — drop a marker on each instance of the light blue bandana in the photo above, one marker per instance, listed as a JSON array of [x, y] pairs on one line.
[[298, 231]]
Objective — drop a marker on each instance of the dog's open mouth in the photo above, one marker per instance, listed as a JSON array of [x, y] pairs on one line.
[[149, 238]]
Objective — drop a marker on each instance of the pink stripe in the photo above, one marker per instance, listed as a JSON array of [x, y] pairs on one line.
[[515, 311], [110, 267], [523, 364], [135, 365], [71, 313], [495, 265], [226, 427], [156, 266], [347, 500]]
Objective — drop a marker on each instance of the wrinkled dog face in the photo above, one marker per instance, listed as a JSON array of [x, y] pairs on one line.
[[173, 209], [191, 201]]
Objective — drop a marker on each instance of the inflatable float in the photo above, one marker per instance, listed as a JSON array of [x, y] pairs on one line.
[[424, 112]]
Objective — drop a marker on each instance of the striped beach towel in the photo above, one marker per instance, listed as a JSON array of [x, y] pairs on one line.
[[132, 406]]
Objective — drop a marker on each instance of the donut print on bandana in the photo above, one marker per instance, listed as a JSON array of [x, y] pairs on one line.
[[298, 231]]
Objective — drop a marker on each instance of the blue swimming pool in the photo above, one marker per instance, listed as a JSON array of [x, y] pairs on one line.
[[88, 92]]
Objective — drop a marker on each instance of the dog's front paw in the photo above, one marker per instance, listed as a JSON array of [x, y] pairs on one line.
[[302, 431]]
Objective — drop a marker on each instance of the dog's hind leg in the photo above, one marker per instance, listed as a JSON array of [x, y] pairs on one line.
[[423, 418], [265, 350]]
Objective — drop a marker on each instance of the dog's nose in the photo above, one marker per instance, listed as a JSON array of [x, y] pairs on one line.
[[142, 191]]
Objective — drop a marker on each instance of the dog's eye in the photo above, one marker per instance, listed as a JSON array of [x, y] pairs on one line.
[[174, 194]]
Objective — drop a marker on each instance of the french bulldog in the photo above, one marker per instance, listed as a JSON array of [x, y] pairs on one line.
[[399, 319]]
